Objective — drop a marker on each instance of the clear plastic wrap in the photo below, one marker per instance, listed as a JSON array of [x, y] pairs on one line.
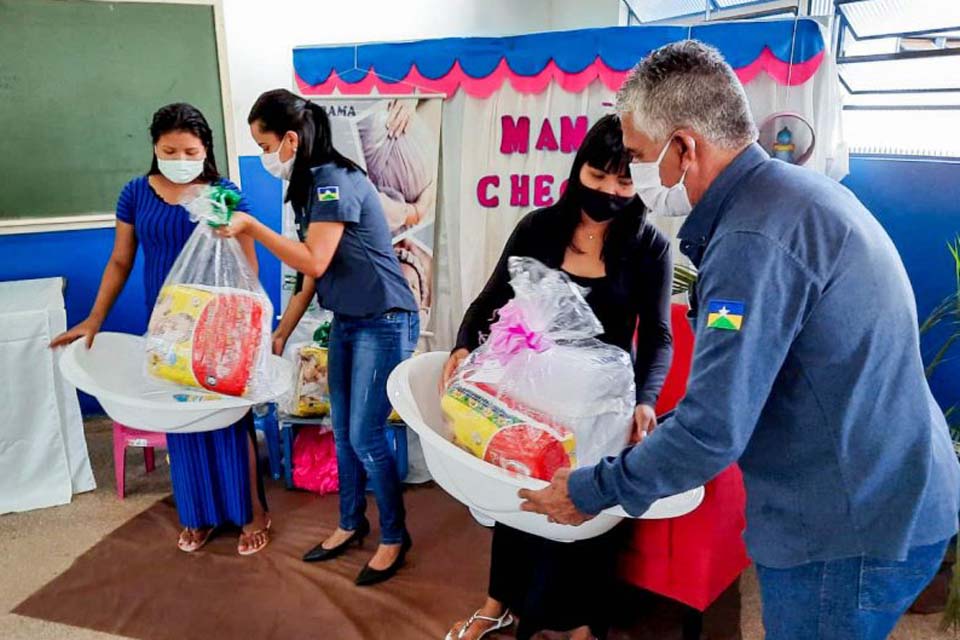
[[542, 393], [210, 326], [310, 393]]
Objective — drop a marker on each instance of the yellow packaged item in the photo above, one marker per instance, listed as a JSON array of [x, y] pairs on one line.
[[207, 337], [312, 397], [505, 433]]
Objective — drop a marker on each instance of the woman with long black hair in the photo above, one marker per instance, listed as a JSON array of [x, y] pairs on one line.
[[346, 256], [214, 474], [598, 235]]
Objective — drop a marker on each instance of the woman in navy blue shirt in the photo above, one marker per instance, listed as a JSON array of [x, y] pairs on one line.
[[214, 474], [345, 254]]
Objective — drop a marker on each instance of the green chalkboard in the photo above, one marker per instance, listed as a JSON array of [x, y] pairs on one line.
[[79, 82]]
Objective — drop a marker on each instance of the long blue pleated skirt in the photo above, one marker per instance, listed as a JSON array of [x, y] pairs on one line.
[[211, 475]]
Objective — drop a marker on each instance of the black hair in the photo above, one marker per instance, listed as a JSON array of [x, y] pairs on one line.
[[280, 111], [181, 116], [602, 148]]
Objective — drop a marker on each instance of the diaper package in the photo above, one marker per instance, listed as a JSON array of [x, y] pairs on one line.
[[505, 433], [210, 326], [542, 393], [310, 397]]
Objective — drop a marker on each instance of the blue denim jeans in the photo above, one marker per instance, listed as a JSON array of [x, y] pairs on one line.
[[362, 355], [849, 599]]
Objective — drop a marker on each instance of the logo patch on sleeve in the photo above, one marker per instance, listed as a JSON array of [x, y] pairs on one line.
[[726, 315], [328, 194]]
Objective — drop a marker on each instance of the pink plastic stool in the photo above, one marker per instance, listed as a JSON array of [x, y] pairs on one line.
[[124, 437]]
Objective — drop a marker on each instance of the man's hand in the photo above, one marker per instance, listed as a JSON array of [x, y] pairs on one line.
[[554, 501]]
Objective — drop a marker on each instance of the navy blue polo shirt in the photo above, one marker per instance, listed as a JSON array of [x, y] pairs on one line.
[[807, 370], [364, 278]]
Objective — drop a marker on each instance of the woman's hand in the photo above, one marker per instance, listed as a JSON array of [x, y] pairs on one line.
[[450, 368], [240, 223], [87, 330], [411, 216], [278, 341], [424, 205], [644, 422], [398, 117]]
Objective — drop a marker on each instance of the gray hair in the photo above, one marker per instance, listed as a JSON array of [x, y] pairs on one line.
[[688, 84]]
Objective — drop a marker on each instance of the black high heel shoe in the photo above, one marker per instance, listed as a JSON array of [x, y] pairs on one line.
[[369, 577], [320, 554]]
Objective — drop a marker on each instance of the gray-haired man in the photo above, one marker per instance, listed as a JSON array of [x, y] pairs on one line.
[[807, 368]]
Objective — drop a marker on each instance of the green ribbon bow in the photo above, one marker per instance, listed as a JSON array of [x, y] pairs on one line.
[[322, 335], [225, 201]]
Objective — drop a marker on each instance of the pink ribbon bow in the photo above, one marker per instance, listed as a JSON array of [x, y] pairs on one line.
[[510, 335]]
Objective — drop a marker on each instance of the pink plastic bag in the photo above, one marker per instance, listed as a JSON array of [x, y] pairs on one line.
[[315, 462]]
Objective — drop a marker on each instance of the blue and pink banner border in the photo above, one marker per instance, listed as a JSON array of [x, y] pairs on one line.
[[789, 51]]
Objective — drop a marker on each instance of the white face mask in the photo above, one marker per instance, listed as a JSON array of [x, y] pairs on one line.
[[660, 199], [274, 166], [180, 171]]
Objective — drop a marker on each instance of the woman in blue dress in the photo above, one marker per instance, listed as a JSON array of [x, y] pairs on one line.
[[346, 256], [214, 474]]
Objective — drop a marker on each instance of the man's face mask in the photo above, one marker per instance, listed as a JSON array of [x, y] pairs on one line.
[[659, 198]]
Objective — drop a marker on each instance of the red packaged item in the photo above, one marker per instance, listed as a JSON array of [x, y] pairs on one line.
[[226, 342], [528, 451], [505, 433], [210, 326]]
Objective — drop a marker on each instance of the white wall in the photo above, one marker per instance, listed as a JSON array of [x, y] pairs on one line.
[[261, 35]]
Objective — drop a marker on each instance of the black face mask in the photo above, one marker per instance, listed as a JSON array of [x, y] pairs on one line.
[[602, 206]]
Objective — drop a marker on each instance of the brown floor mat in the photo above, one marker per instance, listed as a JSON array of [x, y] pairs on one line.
[[136, 583]]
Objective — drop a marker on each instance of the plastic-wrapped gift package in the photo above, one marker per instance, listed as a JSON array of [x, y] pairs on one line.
[[205, 337], [312, 391], [506, 433], [542, 393], [210, 326]]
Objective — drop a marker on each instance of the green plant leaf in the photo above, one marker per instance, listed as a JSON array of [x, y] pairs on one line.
[[947, 312], [684, 277]]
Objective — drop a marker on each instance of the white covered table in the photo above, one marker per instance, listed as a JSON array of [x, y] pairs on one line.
[[43, 453]]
